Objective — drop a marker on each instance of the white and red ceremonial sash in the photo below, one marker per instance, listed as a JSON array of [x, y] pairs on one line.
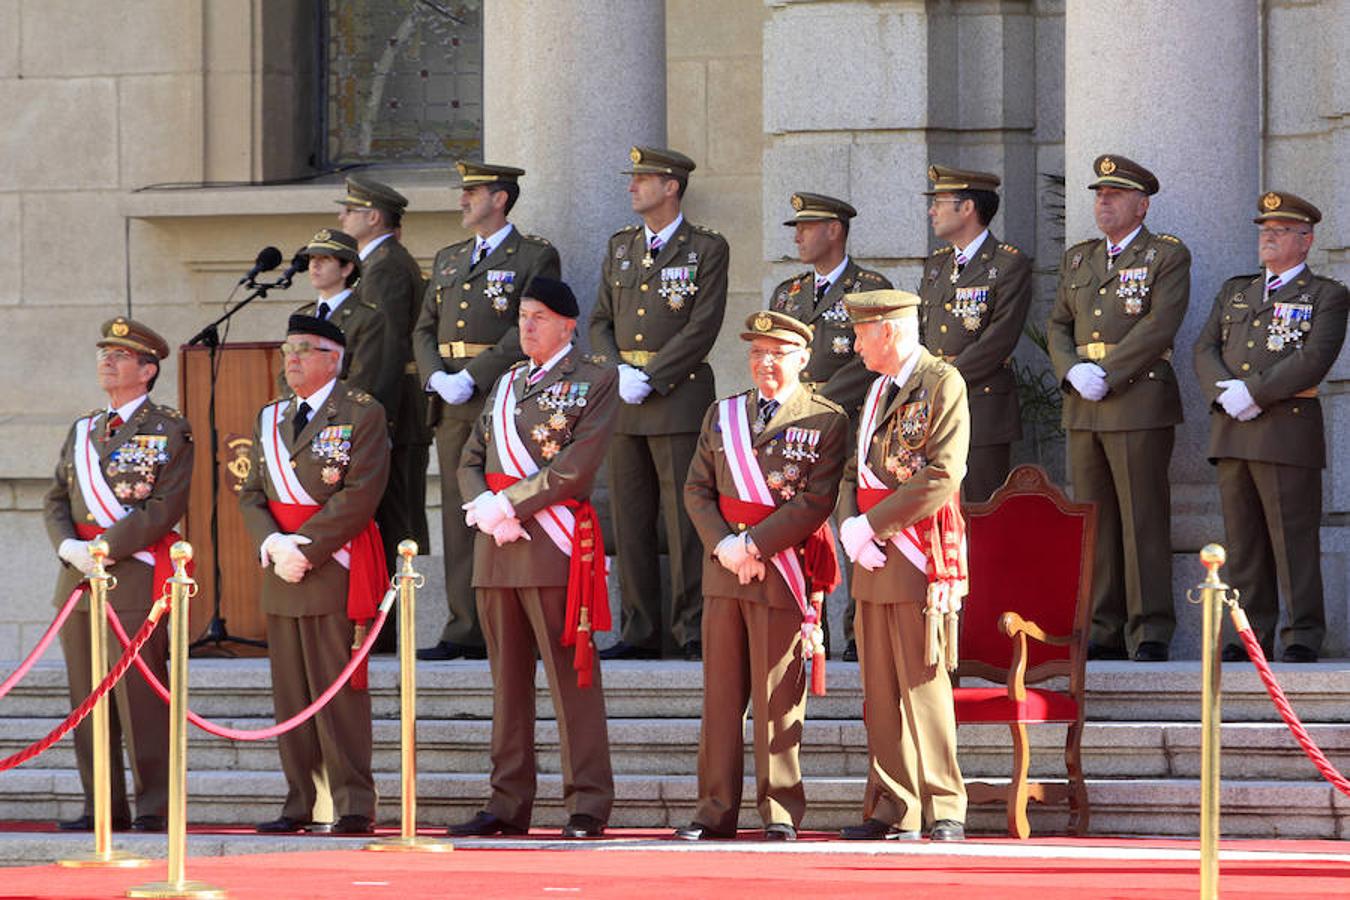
[[557, 520], [287, 486], [752, 488], [94, 488], [906, 541]]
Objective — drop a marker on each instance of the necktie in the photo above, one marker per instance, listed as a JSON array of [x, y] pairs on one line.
[[324, 310], [479, 252], [114, 422], [958, 264], [766, 410], [300, 421], [1273, 284], [822, 285], [1112, 251], [655, 245], [890, 395], [536, 375]]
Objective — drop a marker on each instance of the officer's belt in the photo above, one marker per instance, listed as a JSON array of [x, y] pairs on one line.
[[462, 349], [1096, 351], [637, 358]]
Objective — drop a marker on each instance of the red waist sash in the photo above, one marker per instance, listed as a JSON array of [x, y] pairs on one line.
[[819, 561], [367, 579], [941, 535], [159, 550]]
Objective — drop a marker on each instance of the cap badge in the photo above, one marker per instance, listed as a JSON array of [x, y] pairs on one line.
[[120, 329], [462, 169], [635, 155], [798, 203], [1270, 201], [933, 173], [1107, 166], [763, 323], [323, 235]]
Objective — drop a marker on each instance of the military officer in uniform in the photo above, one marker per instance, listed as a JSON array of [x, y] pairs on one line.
[[1120, 301], [761, 489], [317, 472], [976, 292], [123, 475], [1269, 341], [816, 297], [663, 292], [528, 468], [391, 280], [903, 475], [464, 340]]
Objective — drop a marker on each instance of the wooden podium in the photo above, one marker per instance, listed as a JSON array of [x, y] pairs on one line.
[[247, 378]]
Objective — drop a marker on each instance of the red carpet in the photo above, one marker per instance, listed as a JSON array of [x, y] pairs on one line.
[[666, 875]]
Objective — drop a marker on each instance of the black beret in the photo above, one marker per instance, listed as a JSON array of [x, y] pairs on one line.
[[556, 295], [301, 324]]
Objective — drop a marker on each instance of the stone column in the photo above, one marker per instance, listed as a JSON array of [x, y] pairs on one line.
[[1175, 88], [567, 89]]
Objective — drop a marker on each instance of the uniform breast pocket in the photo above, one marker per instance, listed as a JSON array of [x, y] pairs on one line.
[[1234, 321]]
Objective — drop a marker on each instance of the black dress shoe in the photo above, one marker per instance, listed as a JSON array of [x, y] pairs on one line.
[[354, 824], [697, 831], [779, 831], [446, 650], [623, 650], [287, 825], [1298, 653], [947, 830], [580, 825], [876, 830], [154, 824], [693, 651], [1234, 653], [1150, 651], [1103, 651], [851, 652], [484, 824], [86, 823]]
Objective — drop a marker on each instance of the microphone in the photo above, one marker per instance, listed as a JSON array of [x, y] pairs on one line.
[[299, 263], [268, 259]]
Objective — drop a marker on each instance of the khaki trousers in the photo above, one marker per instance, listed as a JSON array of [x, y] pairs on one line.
[[462, 625]]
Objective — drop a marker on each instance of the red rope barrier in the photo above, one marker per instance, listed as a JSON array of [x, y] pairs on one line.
[[46, 640], [132, 654], [1314, 753], [262, 734]]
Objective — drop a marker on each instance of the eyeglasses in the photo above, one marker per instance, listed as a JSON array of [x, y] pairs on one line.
[[1284, 230], [774, 356], [302, 349], [932, 204], [115, 354]]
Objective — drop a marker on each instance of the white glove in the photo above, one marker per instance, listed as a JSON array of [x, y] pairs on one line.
[[1237, 401], [732, 553], [1089, 380], [855, 534], [508, 530], [277, 547], [633, 386], [289, 564], [872, 557], [487, 510], [454, 388], [76, 553]]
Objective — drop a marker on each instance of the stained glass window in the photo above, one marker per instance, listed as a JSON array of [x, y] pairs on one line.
[[403, 80]]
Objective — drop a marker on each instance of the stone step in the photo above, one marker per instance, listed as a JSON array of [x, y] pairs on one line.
[[1116, 691], [1259, 751], [1268, 809]]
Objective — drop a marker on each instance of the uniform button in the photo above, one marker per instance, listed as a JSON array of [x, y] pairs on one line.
[[1096, 312], [292, 464], [988, 389], [942, 328], [1102, 291], [459, 324], [464, 286], [1295, 410], [642, 287], [464, 304], [616, 284], [806, 376], [1246, 366], [947, 307], [1150, 374], [1251, 344], [642, 312], [638, 338], [1256, 323], [1096, 335]]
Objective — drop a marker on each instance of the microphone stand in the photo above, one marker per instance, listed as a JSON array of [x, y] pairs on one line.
[[216, 633]]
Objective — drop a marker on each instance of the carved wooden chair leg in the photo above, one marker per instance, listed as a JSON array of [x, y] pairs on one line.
[[1018, 826], [1073, 764]]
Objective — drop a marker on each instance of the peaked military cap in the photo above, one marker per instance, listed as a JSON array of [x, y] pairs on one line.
[[313, 325], [367, 193], [472, 174], [327, 242], [554, 294], [779, 326], [1117, 171], [874, 306], [124, 332], [947, 180], [818, 208], [659, 161], [1284, 205]]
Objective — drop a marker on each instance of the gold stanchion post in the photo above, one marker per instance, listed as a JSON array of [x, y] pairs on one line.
[[100, 582], [176, 884], [1213, 594], [408, 839]]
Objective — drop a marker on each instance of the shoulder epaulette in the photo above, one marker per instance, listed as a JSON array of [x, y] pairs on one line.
[[518, 363], [369, 305], [360, 397], [456, 246], [625, 229], [703, 229], [946, 248], [596, 359], [93, 412], [169, 412], [535, 239], [1170, 238], [1082, 243], [1009, 248], [869, 275], [827, 403]]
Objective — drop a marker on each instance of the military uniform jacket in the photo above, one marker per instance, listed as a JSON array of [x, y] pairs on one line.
[[477, 305], [565, 421], [1279, 346], [1134, 309], [975, 323], [838, 372], [672, 309], [801, 453], [919, 448], [392, 281], [366, 329], [148, 465], [342, 459]]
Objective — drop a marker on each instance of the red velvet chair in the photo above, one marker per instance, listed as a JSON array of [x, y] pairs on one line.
[[1025, 621]]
